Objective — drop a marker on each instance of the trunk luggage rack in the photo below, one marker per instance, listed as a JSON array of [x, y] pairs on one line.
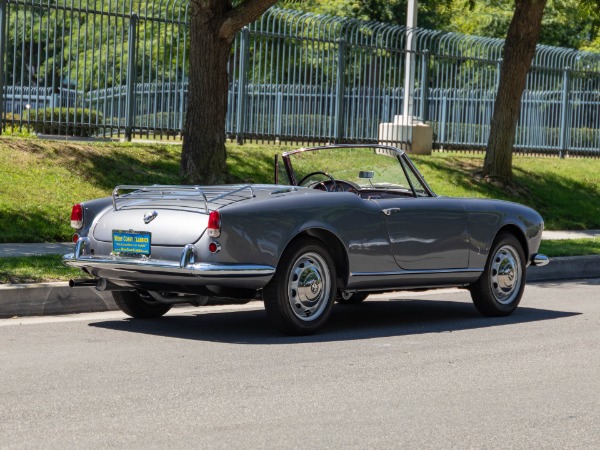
[[195, 197]]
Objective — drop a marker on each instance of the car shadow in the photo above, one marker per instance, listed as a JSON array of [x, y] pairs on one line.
[[371, 319]]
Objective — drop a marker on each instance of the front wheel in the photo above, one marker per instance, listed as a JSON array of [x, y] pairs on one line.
[[139, 305], [300, 296], [500, 287]]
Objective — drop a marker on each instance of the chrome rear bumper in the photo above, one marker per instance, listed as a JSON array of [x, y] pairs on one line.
[[186, 270]]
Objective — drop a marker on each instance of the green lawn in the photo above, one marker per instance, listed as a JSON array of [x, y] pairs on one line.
[[41, 180], [36, 269], [571, 247]]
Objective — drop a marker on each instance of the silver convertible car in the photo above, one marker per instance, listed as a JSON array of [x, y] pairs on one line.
[[339, 223]]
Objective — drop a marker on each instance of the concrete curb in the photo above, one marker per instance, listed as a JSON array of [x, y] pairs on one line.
[[566, 268], [58, 298], [46, 299]]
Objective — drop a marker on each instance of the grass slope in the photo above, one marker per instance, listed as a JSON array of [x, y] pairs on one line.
[[41, 180]]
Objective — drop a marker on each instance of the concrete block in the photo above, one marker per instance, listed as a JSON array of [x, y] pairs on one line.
[[419, 133]]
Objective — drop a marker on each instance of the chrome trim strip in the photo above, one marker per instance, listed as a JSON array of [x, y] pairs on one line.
[[539, 260], [206, 270], [413, 272]]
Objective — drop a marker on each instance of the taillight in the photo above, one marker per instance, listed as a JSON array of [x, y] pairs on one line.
[[214, 224], [77, 216]]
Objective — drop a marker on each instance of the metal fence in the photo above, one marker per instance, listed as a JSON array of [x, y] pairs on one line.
[[119, 67]]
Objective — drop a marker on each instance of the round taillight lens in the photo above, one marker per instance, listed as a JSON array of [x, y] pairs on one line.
[[212, 247], [75, 238]]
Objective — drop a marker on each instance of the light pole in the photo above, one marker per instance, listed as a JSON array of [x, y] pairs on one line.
[[409, 73]]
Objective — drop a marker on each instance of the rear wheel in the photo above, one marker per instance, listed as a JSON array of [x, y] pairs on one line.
[[500, 287], [300, 297], [138, 305], [348, 298]]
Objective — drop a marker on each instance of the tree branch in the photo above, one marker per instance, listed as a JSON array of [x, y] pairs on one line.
[[241, 15]]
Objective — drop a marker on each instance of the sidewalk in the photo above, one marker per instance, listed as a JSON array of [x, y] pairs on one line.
[[67, 247], [582, 234], [57, 248]]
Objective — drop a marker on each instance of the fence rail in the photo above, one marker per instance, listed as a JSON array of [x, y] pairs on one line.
[[293, 76]]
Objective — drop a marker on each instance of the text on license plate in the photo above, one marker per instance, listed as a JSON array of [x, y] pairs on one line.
[[131, 242]]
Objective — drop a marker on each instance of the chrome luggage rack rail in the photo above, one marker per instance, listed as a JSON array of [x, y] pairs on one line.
[[201, 196]]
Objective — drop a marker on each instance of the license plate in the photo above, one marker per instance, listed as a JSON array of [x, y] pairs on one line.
[[131, 242]]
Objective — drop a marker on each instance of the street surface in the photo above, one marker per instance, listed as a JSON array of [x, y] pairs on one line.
[[399, 371]]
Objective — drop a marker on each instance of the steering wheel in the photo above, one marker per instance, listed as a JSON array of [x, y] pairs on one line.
[[321, 183]]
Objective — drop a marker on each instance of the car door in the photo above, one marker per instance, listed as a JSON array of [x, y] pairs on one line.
[[427, 233]]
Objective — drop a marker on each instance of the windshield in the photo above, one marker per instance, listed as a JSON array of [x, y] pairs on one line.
[[365, 167]]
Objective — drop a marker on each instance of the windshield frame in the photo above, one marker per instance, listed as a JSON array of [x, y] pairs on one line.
[[405, 163]]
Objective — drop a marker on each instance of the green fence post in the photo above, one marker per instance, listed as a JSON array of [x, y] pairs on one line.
[[131, 76], [425, 86], [243, 85], [564, 114], [3, 7], [340, 90]]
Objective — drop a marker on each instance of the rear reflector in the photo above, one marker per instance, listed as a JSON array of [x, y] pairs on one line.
[[77, 216], [214, 224]]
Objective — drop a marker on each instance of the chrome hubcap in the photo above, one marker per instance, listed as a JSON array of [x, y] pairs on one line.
[[506, 274], [309, 286]]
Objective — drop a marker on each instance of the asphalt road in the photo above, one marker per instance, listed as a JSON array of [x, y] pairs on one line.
[[417, 371]]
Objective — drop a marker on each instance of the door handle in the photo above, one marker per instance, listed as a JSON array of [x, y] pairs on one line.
[[390, 211]]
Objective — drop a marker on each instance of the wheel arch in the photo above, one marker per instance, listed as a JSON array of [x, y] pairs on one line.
[[518, 233], [334, 245]]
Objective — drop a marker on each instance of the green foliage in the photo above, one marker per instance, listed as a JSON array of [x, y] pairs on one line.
[[571, 247], [566, 23], [432, 14], [63, 121]]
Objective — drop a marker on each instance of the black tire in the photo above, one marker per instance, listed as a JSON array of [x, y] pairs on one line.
[[139, 306], [300, 296], [351, 299], [501, 285]]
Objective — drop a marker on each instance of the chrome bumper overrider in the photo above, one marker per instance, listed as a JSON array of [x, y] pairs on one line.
[[538, 259], [147, 268]]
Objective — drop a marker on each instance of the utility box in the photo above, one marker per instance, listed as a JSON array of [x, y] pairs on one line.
[[419, 133]]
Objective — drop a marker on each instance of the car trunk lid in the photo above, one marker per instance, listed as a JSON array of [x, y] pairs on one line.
[[174, 215], [169, 227]]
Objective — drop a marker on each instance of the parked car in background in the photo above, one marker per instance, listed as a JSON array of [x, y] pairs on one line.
[[339, 223]]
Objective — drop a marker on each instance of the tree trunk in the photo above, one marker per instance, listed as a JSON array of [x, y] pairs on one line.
[[203, 159], [519, 49], [213, 26]]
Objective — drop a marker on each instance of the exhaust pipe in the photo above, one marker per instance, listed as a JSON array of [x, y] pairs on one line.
[[101, 284], [106, 285], [82, 282]]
